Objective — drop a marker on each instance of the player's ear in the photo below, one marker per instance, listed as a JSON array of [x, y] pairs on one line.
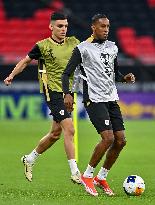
[[92, 27], [50, 27]]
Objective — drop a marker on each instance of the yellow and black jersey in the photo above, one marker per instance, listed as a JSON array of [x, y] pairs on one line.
[[52, 60]]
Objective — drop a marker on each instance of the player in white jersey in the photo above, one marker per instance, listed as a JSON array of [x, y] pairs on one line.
[[97, 58]]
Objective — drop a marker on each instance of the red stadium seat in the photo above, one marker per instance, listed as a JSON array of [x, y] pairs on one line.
[[127, 40], [43, 14], [21, 34], [151, 3], [126, 32], [2, 11], [146, 45], [139, 47], [146, 49]]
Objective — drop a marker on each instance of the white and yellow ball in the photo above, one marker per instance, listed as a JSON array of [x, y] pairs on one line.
[[134, 185]]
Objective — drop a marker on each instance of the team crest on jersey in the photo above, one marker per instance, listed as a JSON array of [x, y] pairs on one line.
[[62, 112], [49, 53], [106, 122]]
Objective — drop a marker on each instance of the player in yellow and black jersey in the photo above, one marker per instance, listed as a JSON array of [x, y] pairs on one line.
[[52, 54]]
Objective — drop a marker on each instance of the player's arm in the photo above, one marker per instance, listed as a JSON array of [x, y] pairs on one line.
[[18, 69], [21, 65], [74, 61], [119, 77]]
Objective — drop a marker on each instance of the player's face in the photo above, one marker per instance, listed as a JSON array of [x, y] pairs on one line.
[[59, 29], [101, 28]]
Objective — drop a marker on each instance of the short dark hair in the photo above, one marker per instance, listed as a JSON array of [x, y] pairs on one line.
[[96, 17], [58, 16]]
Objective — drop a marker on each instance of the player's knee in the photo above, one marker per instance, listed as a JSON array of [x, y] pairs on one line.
[[108, 138], [121, 143], [55, 135], [68, 128], [70, 131], [120, 139]]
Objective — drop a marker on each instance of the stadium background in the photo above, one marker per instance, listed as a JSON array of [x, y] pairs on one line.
[[132, 28], [22, 23]]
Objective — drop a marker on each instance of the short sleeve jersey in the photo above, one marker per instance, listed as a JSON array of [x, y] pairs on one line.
[[53, 58]]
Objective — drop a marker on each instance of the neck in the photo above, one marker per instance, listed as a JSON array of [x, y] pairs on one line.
[[97, 38], [57, 40], [100, 41]]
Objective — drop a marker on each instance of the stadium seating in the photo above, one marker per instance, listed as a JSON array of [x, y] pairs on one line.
[[142, 48], [21, 28], [132, 24], [151, 3]]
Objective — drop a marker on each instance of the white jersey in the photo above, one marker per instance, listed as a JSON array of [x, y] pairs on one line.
[[98, 65]]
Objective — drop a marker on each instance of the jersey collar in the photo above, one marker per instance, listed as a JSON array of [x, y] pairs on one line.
[[55, 42]]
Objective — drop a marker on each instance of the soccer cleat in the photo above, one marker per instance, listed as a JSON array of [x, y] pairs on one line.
[[89, 186], [76, 178], [104, 185], [28, 168]]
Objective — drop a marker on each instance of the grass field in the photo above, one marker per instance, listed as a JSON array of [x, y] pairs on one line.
[[51, 183]]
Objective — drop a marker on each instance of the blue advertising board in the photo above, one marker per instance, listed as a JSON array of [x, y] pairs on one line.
[[25, 102]]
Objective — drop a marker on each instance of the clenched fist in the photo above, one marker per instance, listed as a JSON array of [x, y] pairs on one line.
[[8, 80]]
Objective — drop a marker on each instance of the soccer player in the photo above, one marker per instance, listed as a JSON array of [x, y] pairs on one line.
[[52, 54], [97, 58]]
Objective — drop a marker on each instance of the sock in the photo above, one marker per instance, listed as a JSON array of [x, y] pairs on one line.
[[102, 173], [31, 158], [89, 172], [73, 166]]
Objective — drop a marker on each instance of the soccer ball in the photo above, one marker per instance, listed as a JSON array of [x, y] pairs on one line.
[[134, 185]]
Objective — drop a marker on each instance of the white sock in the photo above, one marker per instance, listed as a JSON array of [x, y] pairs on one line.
[[31, 158], [102, 173], [73, 166], [89, 172]]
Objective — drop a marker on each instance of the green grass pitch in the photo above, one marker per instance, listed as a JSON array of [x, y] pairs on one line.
[[51, 182]]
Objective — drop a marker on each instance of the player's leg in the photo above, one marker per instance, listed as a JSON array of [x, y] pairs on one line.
[[119, 137], [61, 115], [101, 122], [47, 141], [111, 156], [114, 151], [68, 131]]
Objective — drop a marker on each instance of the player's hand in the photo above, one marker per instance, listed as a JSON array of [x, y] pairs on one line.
[[129, 78], [8, 80], [69, 101]]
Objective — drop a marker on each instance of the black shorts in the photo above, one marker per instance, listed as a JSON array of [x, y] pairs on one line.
[[105, 116], [57, 106]]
